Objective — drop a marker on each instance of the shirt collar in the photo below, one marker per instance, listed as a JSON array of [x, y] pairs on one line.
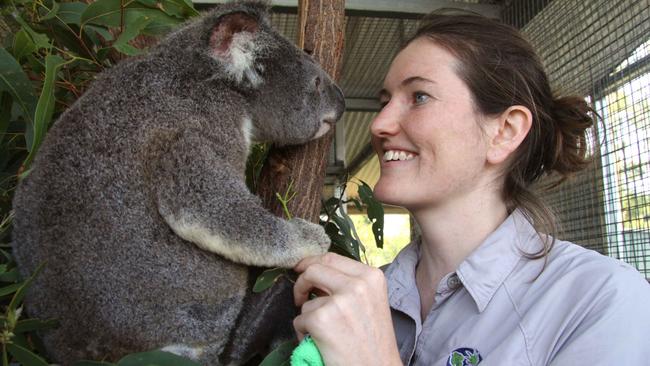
[[400, 276], [482, 272], [487, 267]]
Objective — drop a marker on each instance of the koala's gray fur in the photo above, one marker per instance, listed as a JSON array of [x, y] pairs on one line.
[[138, 205]]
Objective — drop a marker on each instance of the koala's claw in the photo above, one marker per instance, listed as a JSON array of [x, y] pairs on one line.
[[313, 239]]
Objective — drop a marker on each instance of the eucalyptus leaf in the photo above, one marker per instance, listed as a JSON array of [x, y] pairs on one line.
[[29, 325], [25, 356], [267, 278], [178, 8], [132, 30], [10, 289], [22, 45], [129, 50], [92, 363], [52, 13], [155, 358], [5, 113], [346, 227], [10, 276], [45, 107], [341, 243], [375, 212], [22, 289], [111, 14], [280, 355], [102, 31], [70, 13], [41, 40], [14, 81]]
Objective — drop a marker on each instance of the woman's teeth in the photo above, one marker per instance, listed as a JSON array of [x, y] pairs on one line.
[[397, 155]]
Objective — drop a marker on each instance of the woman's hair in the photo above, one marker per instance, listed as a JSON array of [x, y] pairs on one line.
[[501, 69]]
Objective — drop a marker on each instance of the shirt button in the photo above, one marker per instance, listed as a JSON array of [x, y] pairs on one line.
[[453, 282]]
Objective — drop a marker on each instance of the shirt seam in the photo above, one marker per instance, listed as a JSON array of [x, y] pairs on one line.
[[519, 324]]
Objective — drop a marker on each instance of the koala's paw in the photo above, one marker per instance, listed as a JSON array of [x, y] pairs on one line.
[[313, 239]]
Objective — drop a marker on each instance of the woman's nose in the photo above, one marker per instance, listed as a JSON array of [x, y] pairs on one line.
[[386, 123]]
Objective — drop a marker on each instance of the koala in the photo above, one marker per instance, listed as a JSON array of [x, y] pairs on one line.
[[137, 204]]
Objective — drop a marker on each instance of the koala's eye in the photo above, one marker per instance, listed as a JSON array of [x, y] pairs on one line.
[[307, 51], [259, 68], [317, 82]]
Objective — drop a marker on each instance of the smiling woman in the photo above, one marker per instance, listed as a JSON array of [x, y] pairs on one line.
[[468, 124]]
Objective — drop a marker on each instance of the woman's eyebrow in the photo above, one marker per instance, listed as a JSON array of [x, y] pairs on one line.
[[414, 79], [410, 80]]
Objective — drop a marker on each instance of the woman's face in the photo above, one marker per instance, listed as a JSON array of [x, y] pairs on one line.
[[427, 136]]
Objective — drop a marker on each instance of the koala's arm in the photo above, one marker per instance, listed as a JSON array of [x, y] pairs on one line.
[[205, 201]]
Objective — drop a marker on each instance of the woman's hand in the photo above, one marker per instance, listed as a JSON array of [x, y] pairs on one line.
[[350, 320]]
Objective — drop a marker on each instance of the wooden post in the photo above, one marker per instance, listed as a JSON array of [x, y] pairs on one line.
[[321, 33]]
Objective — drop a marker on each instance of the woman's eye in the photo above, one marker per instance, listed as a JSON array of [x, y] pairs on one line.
[[420, 98]]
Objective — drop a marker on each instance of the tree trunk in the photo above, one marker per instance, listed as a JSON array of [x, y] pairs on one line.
[[321, 31]]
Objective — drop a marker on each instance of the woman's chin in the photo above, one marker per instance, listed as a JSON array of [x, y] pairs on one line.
[[390, 195]]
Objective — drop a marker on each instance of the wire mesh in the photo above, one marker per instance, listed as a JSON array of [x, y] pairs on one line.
[[601, 49]]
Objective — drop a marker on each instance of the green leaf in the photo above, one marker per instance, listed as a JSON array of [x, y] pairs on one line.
[[155, 358], [25, 356], [10, 276], [254, 165], [70, 13], [267, 278], [10, 289], [53, 12], [279, 356], [104, 32], [109, 13], [346, 227], [127, 49], [41, 40], [23, 45], [342, 244], [29, 325], [14, 81], [5, 114], [357, 204], [93, 363], [178, 8], [132, 30], [375, 212], [20, 293], [45, 107]]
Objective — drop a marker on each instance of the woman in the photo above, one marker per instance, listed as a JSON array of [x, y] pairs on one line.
[[468, 124]]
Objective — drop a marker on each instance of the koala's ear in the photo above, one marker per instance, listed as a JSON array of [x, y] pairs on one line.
[[230, 30], [232, 43]]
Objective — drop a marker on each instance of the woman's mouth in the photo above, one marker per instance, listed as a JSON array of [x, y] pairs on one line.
[[397, 155]]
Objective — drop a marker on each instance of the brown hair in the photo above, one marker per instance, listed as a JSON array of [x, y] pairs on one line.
[[501, 69]]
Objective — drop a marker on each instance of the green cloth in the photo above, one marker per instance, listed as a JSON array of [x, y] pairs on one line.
[[306, 354]]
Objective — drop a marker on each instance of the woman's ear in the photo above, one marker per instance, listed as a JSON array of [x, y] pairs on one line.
[[508, 130]]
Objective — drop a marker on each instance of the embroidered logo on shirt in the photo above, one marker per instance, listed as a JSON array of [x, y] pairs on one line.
[[464, 357]]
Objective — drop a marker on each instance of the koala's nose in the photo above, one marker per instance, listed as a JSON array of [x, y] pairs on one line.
[[340, 101]]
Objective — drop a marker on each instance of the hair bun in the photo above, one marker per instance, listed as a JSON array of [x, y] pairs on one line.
[[573, 118]]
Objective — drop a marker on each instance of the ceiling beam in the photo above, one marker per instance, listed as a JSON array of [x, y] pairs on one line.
[[392, 6], [362, 105]]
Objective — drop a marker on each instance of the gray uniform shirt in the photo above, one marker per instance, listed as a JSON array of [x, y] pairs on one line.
[[500, 308]]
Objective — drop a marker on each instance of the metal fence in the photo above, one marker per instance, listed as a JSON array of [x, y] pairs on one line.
[[601, 49]]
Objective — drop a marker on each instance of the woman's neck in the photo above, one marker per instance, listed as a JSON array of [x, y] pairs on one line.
[[451, 232]]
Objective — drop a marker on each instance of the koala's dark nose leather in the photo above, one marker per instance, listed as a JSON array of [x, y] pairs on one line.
[[340, 102]]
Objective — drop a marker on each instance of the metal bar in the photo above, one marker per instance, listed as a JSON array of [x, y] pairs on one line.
[[391, 6], [362, 105]]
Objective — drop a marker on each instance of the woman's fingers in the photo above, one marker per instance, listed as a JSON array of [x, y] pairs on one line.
[[345, 265], [318, 276], [302, 322], [331, 273]]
